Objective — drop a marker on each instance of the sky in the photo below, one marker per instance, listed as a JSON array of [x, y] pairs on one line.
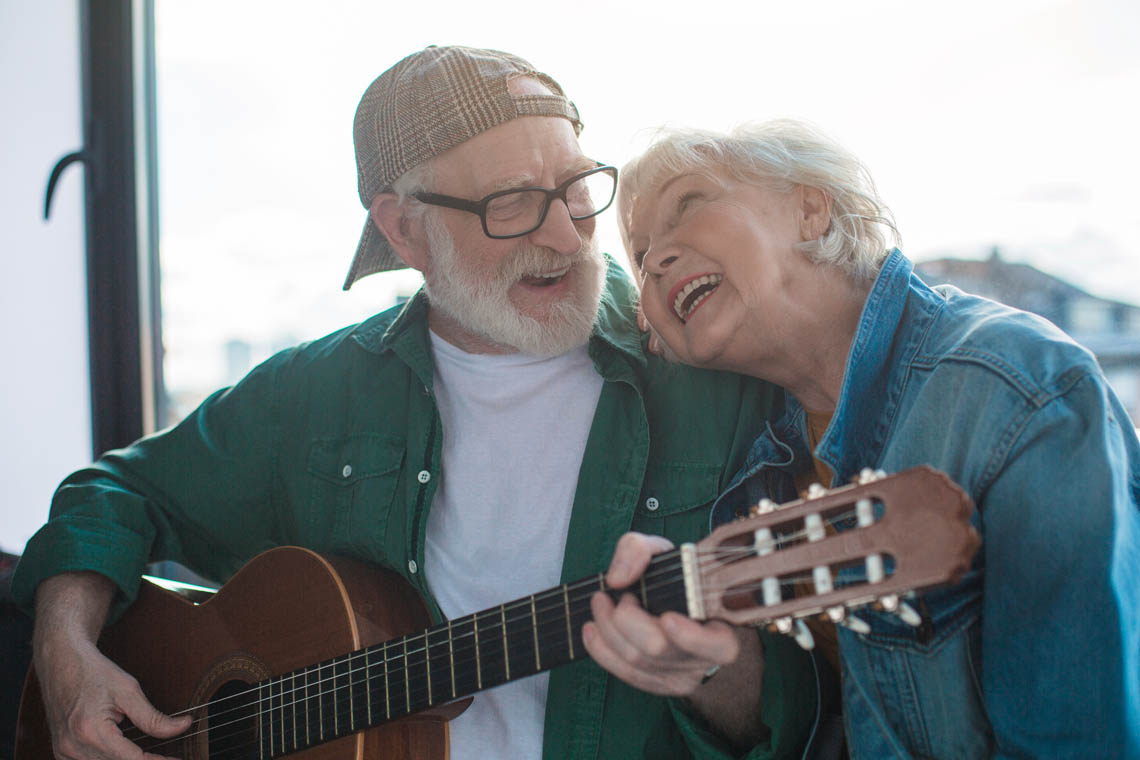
[[984, 124]]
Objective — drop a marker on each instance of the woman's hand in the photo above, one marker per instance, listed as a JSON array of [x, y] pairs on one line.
[[717, 667]]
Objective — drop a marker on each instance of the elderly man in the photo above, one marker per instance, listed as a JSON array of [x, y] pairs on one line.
[[497, 434]]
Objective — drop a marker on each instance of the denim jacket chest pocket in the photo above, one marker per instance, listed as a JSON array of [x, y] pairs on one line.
[[677, 492], [353, 482], [918, 692]]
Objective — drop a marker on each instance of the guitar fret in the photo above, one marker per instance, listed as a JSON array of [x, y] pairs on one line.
[[407, 685], [333, 692], [427, 663], [293, 706], [281, 708], [265, 732], [368, 683], [566, 611], [308, 696], [351, 701], [451, 657], [387, 695], [534, 628], [506, 648], [321, 698], [478, 660], [644, 595]]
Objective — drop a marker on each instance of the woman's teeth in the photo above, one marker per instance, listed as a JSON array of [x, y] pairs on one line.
[[694, 293]]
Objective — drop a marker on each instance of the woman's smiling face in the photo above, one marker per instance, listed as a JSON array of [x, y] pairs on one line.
[[718, 265]]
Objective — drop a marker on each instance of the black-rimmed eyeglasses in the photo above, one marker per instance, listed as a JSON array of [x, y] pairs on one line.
[[522, 210]]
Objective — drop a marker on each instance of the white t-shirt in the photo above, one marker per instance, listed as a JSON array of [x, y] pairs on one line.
[[514, 432]]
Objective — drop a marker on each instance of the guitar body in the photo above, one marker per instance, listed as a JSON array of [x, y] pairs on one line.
[[286, 609]]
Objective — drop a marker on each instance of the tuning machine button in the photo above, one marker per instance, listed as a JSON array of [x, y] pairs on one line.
[[762, 508], [803, 636], [856, 624]]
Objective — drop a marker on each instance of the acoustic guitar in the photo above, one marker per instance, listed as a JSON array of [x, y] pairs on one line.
[[333, 659]]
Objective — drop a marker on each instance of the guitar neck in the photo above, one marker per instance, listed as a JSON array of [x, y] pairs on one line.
[[452, 660]]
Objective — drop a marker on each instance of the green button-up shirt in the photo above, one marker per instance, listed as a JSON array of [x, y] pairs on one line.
[[335, 446]]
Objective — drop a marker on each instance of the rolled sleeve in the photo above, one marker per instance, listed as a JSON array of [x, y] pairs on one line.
[[789, 706]]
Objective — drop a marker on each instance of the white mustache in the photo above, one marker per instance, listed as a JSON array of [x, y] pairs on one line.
[[533, 260]]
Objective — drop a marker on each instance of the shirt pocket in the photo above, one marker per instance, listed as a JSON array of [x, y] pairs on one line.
[[675, 498], [353, 481], [927, 694]]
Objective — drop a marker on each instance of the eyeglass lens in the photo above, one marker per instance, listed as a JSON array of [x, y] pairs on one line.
[[520, 212]]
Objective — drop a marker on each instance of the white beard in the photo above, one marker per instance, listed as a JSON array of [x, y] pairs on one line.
[[480, 302]]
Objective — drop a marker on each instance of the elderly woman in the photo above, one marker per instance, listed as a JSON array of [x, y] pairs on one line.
[[765, 252]]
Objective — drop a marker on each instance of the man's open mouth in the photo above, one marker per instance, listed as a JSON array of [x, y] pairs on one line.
[[694, 293], [544, 279]]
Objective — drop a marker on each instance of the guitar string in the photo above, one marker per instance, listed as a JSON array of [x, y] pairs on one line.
[[281, 696], [344, 694], [658, 569], [343, 697]]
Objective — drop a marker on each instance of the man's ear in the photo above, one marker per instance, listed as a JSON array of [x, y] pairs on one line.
[[814, 212], [404, 233]]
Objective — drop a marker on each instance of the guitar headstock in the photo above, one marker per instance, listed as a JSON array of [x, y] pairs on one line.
[[896, 534]]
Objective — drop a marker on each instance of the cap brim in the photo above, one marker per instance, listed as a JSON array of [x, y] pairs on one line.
[[373, 255]]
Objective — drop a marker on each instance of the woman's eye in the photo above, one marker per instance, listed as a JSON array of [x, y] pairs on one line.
[[686, 200]]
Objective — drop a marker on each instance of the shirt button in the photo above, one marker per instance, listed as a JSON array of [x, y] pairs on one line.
[[347, 471], [412, 566], [652, 504], [424, 476]]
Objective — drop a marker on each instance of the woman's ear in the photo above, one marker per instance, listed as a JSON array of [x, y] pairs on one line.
[[815, 212], [404, 233]]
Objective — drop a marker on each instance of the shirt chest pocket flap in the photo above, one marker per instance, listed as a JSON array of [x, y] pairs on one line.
[[354, 480], [672, 488]]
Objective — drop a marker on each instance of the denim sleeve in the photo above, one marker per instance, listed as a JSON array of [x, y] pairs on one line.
[[198, 493], [1061, 636]]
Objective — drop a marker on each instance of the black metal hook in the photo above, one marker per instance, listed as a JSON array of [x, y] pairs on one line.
[[56, 171]]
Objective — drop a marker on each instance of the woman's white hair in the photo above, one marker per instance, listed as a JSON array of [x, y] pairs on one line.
[[779, 155]]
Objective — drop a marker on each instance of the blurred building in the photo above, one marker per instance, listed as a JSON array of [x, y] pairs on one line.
[[1110, 329]]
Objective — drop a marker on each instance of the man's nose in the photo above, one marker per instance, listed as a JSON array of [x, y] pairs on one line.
[[558, 231]]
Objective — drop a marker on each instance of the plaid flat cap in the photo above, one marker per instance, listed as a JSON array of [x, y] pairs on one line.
[[427, 103]]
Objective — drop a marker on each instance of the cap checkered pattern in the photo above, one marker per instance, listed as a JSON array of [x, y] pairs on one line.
[[427, 103]]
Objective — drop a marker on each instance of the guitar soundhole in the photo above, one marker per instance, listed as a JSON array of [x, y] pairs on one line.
[[232, 723]]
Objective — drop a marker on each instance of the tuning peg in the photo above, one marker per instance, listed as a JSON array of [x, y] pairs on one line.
[[856, 624], [815, 490], [764, 507], [909, 615], [803, 636], [783, 624], [866, 475], [890, 602], [836, 614]]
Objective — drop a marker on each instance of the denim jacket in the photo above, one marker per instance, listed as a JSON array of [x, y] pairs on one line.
[[1036, 651]]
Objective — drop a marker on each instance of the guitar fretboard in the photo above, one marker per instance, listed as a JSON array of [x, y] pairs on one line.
[[452, 660]]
